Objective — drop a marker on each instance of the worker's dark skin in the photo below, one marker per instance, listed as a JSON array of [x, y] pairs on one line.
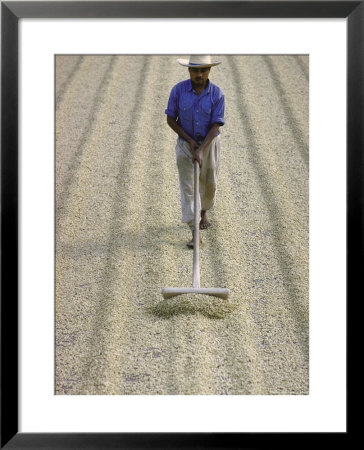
[[199, 79], [195, 148]]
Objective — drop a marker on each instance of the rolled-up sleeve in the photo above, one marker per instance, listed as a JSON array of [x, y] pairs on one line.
[[172, 109], [218, 112]]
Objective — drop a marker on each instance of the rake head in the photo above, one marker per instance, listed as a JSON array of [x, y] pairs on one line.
[[169, 292]]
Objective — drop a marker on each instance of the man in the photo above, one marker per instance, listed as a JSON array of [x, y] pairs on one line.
[[195, 112]]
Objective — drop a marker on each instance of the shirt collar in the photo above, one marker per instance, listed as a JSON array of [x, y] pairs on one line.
[[207, 88]]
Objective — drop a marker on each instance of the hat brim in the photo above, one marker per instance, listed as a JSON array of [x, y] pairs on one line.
[[186, 63]]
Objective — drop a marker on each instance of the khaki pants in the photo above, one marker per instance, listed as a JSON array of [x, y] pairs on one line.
[[208, 178]]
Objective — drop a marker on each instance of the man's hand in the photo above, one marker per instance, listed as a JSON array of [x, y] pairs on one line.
[[193, 146], [198, 156]]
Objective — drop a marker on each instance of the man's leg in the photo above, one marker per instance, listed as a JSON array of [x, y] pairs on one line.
[[208, 180], [186, 182]]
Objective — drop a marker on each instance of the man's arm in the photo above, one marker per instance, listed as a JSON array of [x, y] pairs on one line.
[[176, 127]]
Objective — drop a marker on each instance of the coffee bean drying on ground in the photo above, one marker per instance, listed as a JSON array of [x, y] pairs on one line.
[[120, 240]]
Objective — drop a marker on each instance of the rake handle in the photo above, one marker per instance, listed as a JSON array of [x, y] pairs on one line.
[[196, 234]]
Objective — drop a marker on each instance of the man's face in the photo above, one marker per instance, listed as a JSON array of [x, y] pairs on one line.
[[199, 76]]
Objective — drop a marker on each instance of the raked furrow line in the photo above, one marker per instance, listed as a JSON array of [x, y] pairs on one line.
[[275, 229], [76, 116]]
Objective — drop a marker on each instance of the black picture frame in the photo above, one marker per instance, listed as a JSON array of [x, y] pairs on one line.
[[11, 12]]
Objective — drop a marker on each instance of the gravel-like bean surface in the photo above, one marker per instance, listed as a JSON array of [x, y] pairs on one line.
[[119, 239]]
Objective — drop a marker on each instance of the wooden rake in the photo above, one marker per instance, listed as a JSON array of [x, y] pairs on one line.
[[196, 289]]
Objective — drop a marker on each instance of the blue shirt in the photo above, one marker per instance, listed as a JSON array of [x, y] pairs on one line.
[[196, 113]]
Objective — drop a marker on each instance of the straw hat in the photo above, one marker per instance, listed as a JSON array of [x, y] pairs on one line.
[[198, 61]]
